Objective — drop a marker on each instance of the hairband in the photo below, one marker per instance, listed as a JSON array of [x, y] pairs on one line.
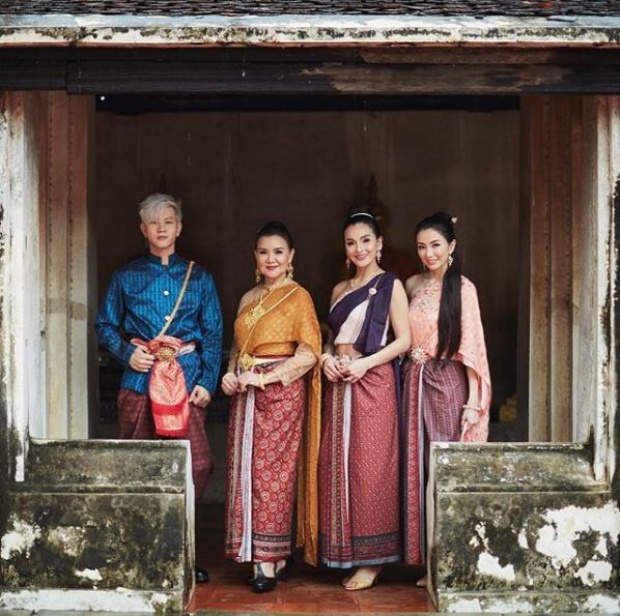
[[361, 214]]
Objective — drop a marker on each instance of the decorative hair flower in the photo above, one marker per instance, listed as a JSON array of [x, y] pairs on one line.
[[454, 220]]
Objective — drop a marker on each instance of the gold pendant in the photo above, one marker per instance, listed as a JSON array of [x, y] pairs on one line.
[[245, 362], [253, 316]]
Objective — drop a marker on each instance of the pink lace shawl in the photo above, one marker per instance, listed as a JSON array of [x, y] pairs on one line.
[[423, 316]]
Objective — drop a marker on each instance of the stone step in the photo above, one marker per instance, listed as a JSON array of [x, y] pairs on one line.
[[104, 524], [105, 466], [521, 527], [511, 467]]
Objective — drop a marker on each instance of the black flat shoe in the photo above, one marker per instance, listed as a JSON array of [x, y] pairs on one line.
[[261, 582], [201, 575]]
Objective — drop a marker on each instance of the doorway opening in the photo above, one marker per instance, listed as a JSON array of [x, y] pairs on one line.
[[238, 162]]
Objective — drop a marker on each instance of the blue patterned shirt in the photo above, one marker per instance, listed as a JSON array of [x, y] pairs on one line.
[[140, 297]]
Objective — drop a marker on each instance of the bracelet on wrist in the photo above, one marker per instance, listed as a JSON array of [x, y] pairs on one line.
[[472, 407]]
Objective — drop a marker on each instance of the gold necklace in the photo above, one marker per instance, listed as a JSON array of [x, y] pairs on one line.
[[254, 315]]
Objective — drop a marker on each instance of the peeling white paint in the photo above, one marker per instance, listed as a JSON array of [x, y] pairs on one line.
[[20, 540], [594, 572], [555, 543], [489, 565], [482, 533], [504, 606], [603, 604], [117, 600], [465, 605], [601, 547], [89, 574], [522, 540], [68, 539], [566, 525]]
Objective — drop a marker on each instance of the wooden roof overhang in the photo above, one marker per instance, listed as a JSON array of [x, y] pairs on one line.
[[310, 54]]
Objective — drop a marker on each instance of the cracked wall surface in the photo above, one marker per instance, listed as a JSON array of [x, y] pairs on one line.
[[546, 540]]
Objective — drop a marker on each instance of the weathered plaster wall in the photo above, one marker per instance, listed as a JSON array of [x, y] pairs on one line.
[[522, 528], [106, 526], [596, 375], [21, 340]]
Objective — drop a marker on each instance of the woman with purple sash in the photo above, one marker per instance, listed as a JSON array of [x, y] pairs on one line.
[[358, 460]]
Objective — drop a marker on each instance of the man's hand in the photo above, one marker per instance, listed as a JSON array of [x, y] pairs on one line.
[[141, 360], [200, 397]]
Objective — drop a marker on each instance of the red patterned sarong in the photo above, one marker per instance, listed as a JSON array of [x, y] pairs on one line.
[[358, 472], [264, 439], [167, 386], [434, 393], [136, 422]]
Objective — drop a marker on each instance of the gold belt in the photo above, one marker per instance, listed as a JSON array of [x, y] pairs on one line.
[[165, 353], [168, 353], [245, 361]]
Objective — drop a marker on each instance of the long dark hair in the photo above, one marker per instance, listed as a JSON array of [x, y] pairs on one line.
[[449, 323], [275, 227]]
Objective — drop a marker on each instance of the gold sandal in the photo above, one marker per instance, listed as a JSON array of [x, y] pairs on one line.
[[350, 583]]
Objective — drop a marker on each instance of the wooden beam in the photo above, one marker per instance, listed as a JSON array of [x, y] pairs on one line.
[[335, 79], [389, 70]]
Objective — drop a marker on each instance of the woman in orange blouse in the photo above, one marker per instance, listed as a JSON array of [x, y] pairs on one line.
[[274, 380]]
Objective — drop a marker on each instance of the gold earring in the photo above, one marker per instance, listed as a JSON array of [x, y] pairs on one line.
[[450, 261], [289, 271], [257, 275]]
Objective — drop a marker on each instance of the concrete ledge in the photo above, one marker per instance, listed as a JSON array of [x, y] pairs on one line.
[[85, 464], [71, 601], [521, 528], [532, 603], [100, 525], [305, 30]]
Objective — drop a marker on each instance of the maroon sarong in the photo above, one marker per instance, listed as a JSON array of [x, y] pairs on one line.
[[268, 479], [136, 422], [358, 493], [440, 388]]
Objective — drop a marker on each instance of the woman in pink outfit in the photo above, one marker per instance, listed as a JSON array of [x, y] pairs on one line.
[[447, 386]]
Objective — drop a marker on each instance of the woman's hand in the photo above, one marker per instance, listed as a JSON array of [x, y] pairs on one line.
[[248, 378], [229, 383], [470, 416], [354, 370], [331, 369]]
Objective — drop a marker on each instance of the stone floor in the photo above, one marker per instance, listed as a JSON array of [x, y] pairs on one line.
[[309, 591]]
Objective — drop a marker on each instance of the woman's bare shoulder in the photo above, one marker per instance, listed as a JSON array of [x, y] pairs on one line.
[[413, 284]]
